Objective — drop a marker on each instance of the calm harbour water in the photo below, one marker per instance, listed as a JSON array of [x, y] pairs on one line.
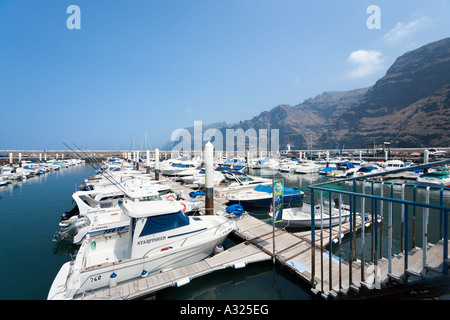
[[29, 216], [30, 213]]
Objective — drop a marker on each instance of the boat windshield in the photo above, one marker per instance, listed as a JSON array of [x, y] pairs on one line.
[[164, 222], [150, 198], [244, 178]]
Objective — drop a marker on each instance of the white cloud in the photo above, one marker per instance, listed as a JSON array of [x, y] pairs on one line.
[[366, 63], [405, 30]]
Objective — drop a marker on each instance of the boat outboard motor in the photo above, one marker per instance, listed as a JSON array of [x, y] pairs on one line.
[[72, 230], [69, 214]]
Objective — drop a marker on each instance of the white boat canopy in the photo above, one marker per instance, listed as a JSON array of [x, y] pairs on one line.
[[150, 208]]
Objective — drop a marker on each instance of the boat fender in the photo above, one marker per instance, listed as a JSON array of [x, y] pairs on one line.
[[218, 249], [144, 273], [113, 280], [239, 265], [182, 282]]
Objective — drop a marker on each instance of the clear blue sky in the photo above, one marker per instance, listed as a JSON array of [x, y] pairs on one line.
[[158, 65]]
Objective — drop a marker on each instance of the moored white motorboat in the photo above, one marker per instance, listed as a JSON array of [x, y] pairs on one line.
[[393, 165], [131, 180], [308, 166], [162, 238], [29, 171], [368, 170], [438, 177], [10, 173], [300, 217], [234, 181], [266, 163], [343, 169], [261, 197], [288, 166], [324, 171], [172, 166], [98, 213]]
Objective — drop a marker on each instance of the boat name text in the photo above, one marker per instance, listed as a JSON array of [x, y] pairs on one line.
[[151, 240]]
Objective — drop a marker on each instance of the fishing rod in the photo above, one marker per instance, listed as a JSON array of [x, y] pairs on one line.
[[98, 163], [104, 172], [113, 182]]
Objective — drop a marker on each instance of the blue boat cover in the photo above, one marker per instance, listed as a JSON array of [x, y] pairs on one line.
[[194, 194], [346, 163], [366, 169], [236, 209], [235, 168], [223, 169], [268, 189]]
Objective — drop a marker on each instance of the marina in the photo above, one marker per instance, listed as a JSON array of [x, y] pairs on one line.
[[213, 157], [327, 261]]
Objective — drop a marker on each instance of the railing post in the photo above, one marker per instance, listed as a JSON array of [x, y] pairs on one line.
[[375, 226], [330, 266], [406, 244], [402, 225], [340, 241], [441, 213], [351, 241], [425, 232], [390, 241], [354, 220], [445, 258], [313, 242], [414, 218], [372, 256], [321, 240], [363, 210], [381, 220]]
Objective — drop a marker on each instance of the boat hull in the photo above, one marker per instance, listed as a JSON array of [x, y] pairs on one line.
[[297, 218], [307, 222], [433, 182]]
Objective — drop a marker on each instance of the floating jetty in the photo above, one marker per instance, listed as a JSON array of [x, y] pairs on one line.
[[309, 254], [235, 257]]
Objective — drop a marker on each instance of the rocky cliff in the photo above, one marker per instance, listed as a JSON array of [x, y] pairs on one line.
[[409, 107]]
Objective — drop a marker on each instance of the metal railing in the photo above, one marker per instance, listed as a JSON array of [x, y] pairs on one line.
[[376, 207]]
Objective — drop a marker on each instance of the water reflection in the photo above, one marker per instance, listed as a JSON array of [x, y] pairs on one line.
[[64, 247]]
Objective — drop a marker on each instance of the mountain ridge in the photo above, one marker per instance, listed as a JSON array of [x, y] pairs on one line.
[[409, 106]]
